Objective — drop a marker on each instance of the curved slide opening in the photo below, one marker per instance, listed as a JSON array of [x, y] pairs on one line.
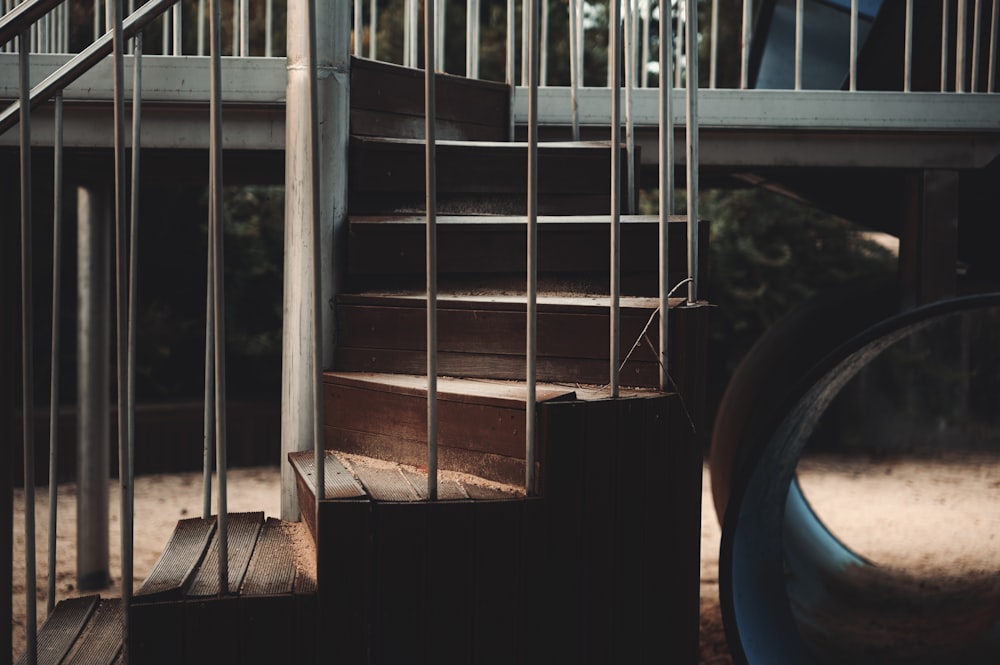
[[797, 588]]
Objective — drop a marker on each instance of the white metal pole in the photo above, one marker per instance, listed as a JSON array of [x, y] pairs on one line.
[[714, 57], [511, 66], [57, 203], [960, 60], [644, 70], [799, 20], [976, 36], [269, 28], [945, 45], [372, 30], [430, 170], [543, 44], [358, 27], [854, 46], [215, 220], [574, 71], [692, 150], [745, 44], [630, 55], [615, 64], [440, 9], [244, 28], [531, 341], [666, 181], [472, 39], [27, 354], [178, 16], [994, 38], [908, 48]]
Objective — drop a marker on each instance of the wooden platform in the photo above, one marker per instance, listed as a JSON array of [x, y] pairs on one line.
[[81, 631], [266, 614]]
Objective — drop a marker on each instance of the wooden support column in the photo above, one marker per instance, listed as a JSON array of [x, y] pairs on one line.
[[94, 211], [333, 73], [928, 248]]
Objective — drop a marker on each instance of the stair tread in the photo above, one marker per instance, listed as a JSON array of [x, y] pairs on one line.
[[100, 643], [503, 300], [340, 483], [486, 391], [243, 531], [180, 558], [62, 628], [272, 567], [519, 220]]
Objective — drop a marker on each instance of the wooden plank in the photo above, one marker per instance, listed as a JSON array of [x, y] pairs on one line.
[[450, 547], [562, 428], [243, 531], [345, 580], [212, 630], [448, 489], [597, 542], [463, 425], [494, 393], [386, 484], [173, 571], [400, 90], [400, 610], [100, 643], [340, 484], [271, 570], [61, 630], [496, 607], [157, 633], [471, 244], [480, 365], [630, 522], [414, 453]]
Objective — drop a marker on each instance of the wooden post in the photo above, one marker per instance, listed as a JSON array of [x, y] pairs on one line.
[[333, 64]]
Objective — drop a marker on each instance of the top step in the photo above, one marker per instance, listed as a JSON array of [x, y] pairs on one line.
[[388, 100]]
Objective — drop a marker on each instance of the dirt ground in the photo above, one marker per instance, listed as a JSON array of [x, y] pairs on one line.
[[940, 517]]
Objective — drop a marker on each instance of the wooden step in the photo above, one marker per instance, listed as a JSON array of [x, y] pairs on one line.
[[573, 250], [484, 336], [387, 177], [179, 615], [481, 423], [388, 100], [61, 630]]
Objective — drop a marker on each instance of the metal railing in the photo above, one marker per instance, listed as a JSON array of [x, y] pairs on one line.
[[20, 24]]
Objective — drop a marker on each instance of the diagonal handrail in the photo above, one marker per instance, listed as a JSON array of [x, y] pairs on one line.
[[84, 60], [24, 16]]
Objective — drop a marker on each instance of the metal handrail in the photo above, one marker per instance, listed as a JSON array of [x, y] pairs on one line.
[[84, 61], [22, 16]]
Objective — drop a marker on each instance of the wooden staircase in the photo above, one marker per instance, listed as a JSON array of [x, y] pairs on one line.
[[602, 565]]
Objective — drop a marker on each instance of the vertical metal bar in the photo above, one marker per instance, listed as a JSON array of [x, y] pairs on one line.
[[372, 30], [509, 71], [679, 45], [165, 35], [692, 152], [615, 260], [799, 20], [714, 57], [201, 27], [531, 341], [961, 24], [430, 170], [472, 39], [57, 203], [440, 10], [945, 44], [666, 160], [908, 48], [27, 361], [574, 71], [358, 27], [97, 19], [854, 46], [319, 451], [992, 83], [209, 407], [524, 44], [644, 70], [121, 305], [128, 489], [630, 53], [244, 28], [215, 226], [236, 28], [178, 16], [543, 45], [745, 44], [269, 27], [976, 36], [580, 42], [414, 41]]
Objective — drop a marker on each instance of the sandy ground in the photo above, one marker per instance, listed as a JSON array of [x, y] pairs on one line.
[[912, 515]]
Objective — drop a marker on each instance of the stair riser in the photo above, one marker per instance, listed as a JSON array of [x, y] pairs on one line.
[[389, 178], [565, 249]]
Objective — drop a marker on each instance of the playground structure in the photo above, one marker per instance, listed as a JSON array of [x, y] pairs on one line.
[[494, 224]]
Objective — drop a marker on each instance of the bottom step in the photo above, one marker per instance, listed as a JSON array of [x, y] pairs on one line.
[[81, 631]]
